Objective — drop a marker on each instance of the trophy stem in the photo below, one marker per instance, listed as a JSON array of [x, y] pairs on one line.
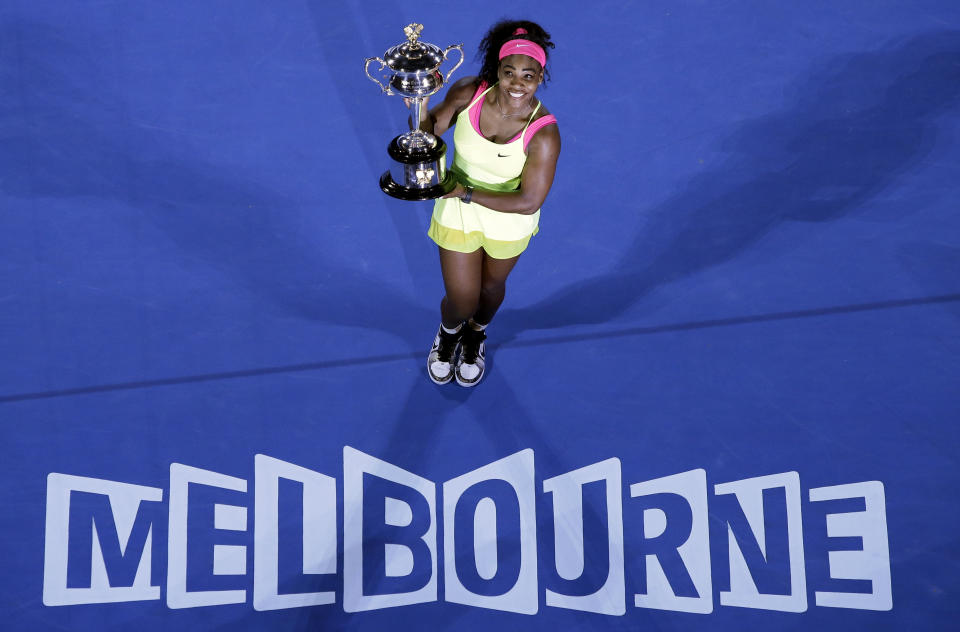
[[417, 140], [416, 104]]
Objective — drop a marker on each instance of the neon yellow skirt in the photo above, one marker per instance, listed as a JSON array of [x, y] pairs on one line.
[[466, 227]]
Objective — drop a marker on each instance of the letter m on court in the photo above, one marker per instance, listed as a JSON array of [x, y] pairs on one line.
[[99, 541]]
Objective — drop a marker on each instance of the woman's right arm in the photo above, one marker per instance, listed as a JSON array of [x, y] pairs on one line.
[[441, 117]]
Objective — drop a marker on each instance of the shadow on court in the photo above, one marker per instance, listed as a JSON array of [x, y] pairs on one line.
[[859, 122]]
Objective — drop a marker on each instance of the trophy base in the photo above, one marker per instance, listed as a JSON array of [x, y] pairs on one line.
[[413, 194], [418, 171]]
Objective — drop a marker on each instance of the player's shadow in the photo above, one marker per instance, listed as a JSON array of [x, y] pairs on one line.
[[858, 122]]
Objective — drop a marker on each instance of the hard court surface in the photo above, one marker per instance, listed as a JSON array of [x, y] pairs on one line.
[[749, 263]]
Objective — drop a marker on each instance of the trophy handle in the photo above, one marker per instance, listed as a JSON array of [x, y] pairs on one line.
[[457, 47], [383, 64]]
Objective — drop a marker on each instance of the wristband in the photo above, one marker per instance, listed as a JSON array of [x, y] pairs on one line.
[[468, 195]]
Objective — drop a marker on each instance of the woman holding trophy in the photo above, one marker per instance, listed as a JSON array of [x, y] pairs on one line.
[[506, 150]]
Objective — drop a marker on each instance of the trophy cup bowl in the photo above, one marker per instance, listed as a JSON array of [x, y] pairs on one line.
[[418, 169]]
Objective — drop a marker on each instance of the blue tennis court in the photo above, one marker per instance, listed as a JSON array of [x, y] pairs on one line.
[[721, 394]]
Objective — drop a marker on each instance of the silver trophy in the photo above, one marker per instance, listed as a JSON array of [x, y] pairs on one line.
[[418, 171]]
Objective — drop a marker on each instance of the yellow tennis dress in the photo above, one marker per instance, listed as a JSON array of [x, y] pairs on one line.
[[483, 164]]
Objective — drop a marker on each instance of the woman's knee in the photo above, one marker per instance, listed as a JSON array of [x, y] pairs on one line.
[[493, 290]]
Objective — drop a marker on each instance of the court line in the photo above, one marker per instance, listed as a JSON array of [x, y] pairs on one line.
[[620, 333], [740, 320]]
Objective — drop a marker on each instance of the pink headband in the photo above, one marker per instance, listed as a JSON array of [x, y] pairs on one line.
[[523, 47]]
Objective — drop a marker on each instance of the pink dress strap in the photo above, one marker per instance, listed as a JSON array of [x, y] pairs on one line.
[[475, 108], [534, 127]]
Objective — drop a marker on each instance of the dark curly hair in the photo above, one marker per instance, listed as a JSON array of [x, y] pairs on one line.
[[502, 32]]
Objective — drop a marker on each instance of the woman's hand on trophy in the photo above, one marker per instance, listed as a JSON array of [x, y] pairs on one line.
[[458, 192]]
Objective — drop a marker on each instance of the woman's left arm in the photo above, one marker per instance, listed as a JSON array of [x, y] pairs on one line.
[[535, 180]]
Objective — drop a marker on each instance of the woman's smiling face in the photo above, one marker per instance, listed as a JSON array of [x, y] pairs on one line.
[[519, 77]]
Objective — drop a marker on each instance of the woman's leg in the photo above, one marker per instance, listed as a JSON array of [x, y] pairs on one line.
[[493, 287], [462, 279], [462, 273], [493, 279]]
